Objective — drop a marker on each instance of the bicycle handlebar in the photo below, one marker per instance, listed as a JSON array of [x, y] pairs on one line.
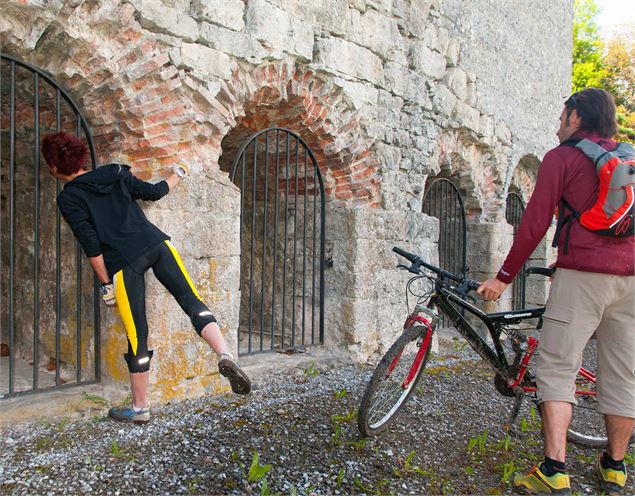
[[417, 262]]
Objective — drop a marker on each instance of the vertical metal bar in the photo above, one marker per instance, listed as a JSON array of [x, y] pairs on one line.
[[313, 257], [286, 234], [36, 234], [304, 250], [295, 239], [1, 271], [12, 231], [242, 243], [58, 254], [322, 254], [251, 245], [78, 293], [275, 242], [264, 245]]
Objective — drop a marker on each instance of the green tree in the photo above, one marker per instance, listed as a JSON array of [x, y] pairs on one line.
[[619, 62], [588, 48]]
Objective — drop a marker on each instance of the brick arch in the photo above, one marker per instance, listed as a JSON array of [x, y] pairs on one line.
[[141, 108], [524, 176], [465, 160], [283, 95]]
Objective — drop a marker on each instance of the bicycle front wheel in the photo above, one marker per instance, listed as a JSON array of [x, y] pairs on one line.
[[394, 379]]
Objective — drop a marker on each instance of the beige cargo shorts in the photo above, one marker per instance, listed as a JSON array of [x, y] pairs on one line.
[[579, 305]]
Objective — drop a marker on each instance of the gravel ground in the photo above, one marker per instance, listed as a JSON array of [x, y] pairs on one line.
[[301, 424]]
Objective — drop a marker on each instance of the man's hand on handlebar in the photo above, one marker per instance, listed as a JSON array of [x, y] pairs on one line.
[[492, 289]]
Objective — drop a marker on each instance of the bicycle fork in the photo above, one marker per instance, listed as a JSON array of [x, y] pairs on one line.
[[429, 322]]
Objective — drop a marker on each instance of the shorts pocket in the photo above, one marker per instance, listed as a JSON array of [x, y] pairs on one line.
[[558, 313]]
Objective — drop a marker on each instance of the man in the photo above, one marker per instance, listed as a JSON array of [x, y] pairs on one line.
[[593, 291], [121, 245]]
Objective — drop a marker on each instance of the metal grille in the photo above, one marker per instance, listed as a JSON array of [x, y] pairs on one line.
[[514, 210], [282, 243], [443, 201], [49, 316]]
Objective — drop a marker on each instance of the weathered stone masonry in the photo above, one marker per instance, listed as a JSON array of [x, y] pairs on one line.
[[387, 93]]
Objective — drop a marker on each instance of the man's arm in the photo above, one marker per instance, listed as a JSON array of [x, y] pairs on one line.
[[533, 227]]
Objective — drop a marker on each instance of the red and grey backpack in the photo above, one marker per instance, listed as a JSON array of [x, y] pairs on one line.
[[613, 211]]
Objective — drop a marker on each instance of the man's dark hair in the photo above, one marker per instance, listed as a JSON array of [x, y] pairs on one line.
[[66, 152], [596, 108]]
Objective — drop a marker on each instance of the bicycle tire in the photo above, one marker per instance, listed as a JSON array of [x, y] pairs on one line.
[[384, 378], [587, 425]]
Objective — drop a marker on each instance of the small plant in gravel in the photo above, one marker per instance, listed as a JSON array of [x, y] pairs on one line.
[[95, 399], [533, 423], [340, 477], [257, 471], [407, 467], [341, 394], [508, 469], [311, 371], [119, 452]]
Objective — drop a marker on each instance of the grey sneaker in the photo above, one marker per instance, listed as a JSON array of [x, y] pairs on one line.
[[129, 414], [230, 369]]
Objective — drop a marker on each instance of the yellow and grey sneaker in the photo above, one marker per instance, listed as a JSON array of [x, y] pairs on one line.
[[535, 482], [130, 414], [229, 368], [612, 481]]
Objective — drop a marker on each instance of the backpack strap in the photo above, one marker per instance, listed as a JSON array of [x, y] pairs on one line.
[[564, 219]]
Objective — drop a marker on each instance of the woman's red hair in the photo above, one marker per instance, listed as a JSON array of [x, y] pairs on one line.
[[64, 151]]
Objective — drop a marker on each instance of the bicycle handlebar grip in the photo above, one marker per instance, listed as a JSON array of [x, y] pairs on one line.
[[405, 254], [472, 285]]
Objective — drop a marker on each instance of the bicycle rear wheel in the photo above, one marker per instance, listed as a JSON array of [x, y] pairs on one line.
[[394, 380], [587, 427]]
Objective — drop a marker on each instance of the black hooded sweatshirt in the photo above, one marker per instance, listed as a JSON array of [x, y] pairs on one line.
[[101, 208]]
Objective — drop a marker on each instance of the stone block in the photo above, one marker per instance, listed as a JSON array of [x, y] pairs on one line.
[[408, 84], [467, 116], [427, 61], [456, 80], [227, 13], [156, 16], [443, 100], [452, 52], [207, 60], [378, 32], [361, 94], [336, 55], [330, 16], [239, 44]]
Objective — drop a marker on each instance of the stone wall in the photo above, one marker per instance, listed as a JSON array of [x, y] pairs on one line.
[[387, 93]]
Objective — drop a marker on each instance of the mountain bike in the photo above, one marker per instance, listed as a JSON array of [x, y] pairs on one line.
[[510, 351]]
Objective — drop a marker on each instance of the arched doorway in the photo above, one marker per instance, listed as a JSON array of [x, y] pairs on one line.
[[49, 313], [443, 201], [514, 209], [282, 227]]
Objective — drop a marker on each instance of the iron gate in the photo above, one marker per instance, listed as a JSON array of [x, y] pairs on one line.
[[514, 210], [443, 201], [49, 312], [282, 222]]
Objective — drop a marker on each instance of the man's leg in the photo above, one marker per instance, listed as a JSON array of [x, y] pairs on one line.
[[556, 416], [619, 431]]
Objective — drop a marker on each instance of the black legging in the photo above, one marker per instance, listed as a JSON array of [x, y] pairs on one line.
[[130, 290]]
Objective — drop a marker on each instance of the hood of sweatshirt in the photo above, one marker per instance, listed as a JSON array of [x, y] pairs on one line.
[[101, 180]]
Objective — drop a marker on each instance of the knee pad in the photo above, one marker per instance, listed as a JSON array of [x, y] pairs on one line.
[[201, 318], [138, 363]]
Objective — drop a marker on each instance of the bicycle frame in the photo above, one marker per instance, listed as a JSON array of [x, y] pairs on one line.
[[444, 296]]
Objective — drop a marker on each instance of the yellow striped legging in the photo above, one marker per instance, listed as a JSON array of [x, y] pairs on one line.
[[130, 291]]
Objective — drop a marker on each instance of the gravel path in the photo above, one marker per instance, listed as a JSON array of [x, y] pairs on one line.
[[448, 440]]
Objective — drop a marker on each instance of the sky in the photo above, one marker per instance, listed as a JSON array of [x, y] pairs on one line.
[[615, 15]]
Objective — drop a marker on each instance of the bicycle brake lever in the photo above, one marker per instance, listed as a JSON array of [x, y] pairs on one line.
[[402, 266]]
